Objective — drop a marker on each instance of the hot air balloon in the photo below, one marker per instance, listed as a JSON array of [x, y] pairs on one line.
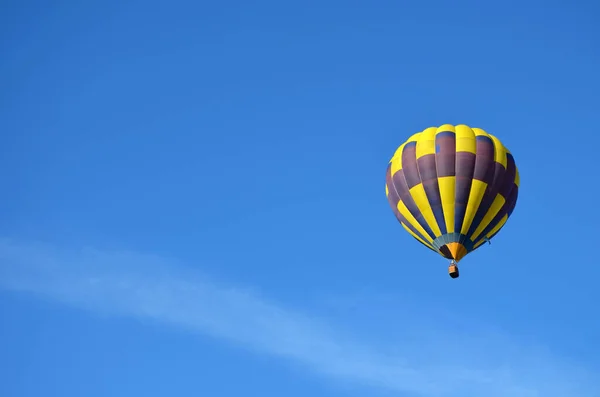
[[452, 188]]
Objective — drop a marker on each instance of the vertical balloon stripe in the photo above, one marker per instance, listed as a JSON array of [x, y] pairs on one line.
[[509, 190], [509, 178], [418, 194], [475, 196], [412, 220], [399, 184], [445, 162], [409, 165], [410, 173], [504, 211], [512, 200], [499, 151], [409, 226], [406, 199], [392, 194], [423, 148], [490, 213], [465, 162], [484, 173], [464, 175], [447, 185], [490, 204], [504, 183], [426, 165], [394, 199]]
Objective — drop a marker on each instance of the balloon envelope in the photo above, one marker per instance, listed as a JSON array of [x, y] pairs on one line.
[[452, 188]]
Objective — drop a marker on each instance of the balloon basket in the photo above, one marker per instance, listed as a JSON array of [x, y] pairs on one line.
[[453, 270]]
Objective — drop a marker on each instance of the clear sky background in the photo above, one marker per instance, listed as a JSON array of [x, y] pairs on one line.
[[193, 199]]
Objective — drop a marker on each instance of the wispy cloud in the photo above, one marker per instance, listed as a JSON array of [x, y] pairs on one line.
[[131, 284]]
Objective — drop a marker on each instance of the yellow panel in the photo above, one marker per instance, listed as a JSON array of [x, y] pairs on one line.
[[517, 177], [447, 186], [499, 151], [489, 215], [480, 132], [465, 139], [397, 161], [387, 190], [411, 219], [478, 244], [498, 226], [417, 237], [475, 196], [445, 128], [418, 194], [426, 142], [398, 152]]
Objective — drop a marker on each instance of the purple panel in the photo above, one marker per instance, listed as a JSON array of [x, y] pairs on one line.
[[509, 177], [465, 163], [499, 172], [445, 156], [393, 197], [409, 165], [484, 160], [426, 167], [428, 175], [512, 199]]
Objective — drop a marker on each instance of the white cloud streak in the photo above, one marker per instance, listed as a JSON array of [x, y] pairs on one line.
[[130, 284]]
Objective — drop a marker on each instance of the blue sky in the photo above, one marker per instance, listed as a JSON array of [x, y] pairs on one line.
[[193, 199]]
